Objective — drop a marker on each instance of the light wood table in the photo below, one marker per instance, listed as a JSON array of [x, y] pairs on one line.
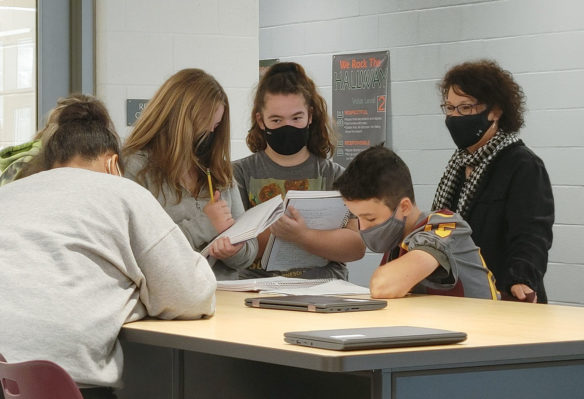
[[513, 350]]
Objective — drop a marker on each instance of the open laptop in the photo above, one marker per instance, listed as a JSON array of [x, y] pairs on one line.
[[373, 337], [315, 303]]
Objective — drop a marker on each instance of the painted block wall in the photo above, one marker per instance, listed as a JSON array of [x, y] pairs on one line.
[[539, 41], [141, 43]]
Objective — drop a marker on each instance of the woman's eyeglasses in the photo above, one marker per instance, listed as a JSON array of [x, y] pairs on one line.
[[462, 109]]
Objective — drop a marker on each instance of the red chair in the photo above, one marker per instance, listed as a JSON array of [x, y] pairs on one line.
[[36, 379]]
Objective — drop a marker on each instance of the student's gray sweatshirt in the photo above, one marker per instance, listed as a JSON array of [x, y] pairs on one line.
[[82, 253]]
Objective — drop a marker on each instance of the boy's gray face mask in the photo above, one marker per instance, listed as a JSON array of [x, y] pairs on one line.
[[385, 236]]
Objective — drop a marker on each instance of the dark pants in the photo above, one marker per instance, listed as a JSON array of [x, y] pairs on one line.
[[98, 393]]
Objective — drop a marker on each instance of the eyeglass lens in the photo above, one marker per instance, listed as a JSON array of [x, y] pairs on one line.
[[462, 109]]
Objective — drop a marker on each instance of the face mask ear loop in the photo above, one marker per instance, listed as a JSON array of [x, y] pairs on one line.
[[265, 129], [118, 168], [395, 213], [109, 166]]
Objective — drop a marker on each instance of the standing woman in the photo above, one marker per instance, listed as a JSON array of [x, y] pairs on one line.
[[182, 134], [494, 181], [291, 139]]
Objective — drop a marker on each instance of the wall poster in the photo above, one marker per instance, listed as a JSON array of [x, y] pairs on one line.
[[360, 102]]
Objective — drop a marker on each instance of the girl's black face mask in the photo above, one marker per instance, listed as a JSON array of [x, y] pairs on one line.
[[468, 130], [203, 148], [287, 140]]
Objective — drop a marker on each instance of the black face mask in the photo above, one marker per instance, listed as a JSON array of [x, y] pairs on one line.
[[204, 146], [287, 140], [467, 130]]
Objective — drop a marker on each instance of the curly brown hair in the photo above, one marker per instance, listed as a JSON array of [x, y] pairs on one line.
[[290, 78], [490, 84]]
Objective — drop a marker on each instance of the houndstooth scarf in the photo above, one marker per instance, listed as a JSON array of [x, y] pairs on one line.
[[453, 176]]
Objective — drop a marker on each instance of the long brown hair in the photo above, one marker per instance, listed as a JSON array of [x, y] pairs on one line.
[[290, 78], [175, 120]]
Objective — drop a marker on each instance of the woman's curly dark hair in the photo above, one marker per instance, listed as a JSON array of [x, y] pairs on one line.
[[490, 84]]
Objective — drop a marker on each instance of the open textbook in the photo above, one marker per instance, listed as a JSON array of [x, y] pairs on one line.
[[250, 224], [321, 210]]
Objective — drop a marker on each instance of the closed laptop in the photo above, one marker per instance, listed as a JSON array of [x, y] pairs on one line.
[[316, 303], [374, 337]]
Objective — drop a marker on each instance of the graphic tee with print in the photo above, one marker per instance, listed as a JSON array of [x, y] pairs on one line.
[[259, 179]]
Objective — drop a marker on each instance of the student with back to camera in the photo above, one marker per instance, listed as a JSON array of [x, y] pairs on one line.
[[292, 140], [85, 251], [429, 253], [494, 181], [182, 134]]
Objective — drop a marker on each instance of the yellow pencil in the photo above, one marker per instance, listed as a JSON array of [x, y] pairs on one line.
[[210, 185]]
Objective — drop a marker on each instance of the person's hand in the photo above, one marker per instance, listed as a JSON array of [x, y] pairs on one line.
[[290, 226], [523, 293], [219, 213], [222, 248]]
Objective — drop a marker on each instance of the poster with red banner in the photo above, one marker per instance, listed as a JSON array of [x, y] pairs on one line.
[[360, 102]]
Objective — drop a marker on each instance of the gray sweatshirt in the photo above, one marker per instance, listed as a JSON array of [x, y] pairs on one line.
[[81, 253], [189, 216]]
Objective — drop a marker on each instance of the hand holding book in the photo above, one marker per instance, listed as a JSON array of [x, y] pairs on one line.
[[318, 210], [251, 223], [222, 248], [289, 225]]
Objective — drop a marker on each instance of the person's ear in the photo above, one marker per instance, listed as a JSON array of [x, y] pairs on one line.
[[260, 121], [405, 206], [115, 161], [495, 113], [112, 166]]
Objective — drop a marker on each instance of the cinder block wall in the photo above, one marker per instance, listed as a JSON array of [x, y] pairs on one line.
[[140, 43], [539, 41]]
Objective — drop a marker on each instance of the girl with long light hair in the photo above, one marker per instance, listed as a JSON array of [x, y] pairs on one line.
[[181, 135]]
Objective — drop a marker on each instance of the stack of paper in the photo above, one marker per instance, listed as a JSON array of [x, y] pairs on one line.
[[333, 287], [294, 286], [267, 283]]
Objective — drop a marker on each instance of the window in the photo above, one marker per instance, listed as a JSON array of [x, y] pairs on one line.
[[17, 71], [25, 66], [23, 124]]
